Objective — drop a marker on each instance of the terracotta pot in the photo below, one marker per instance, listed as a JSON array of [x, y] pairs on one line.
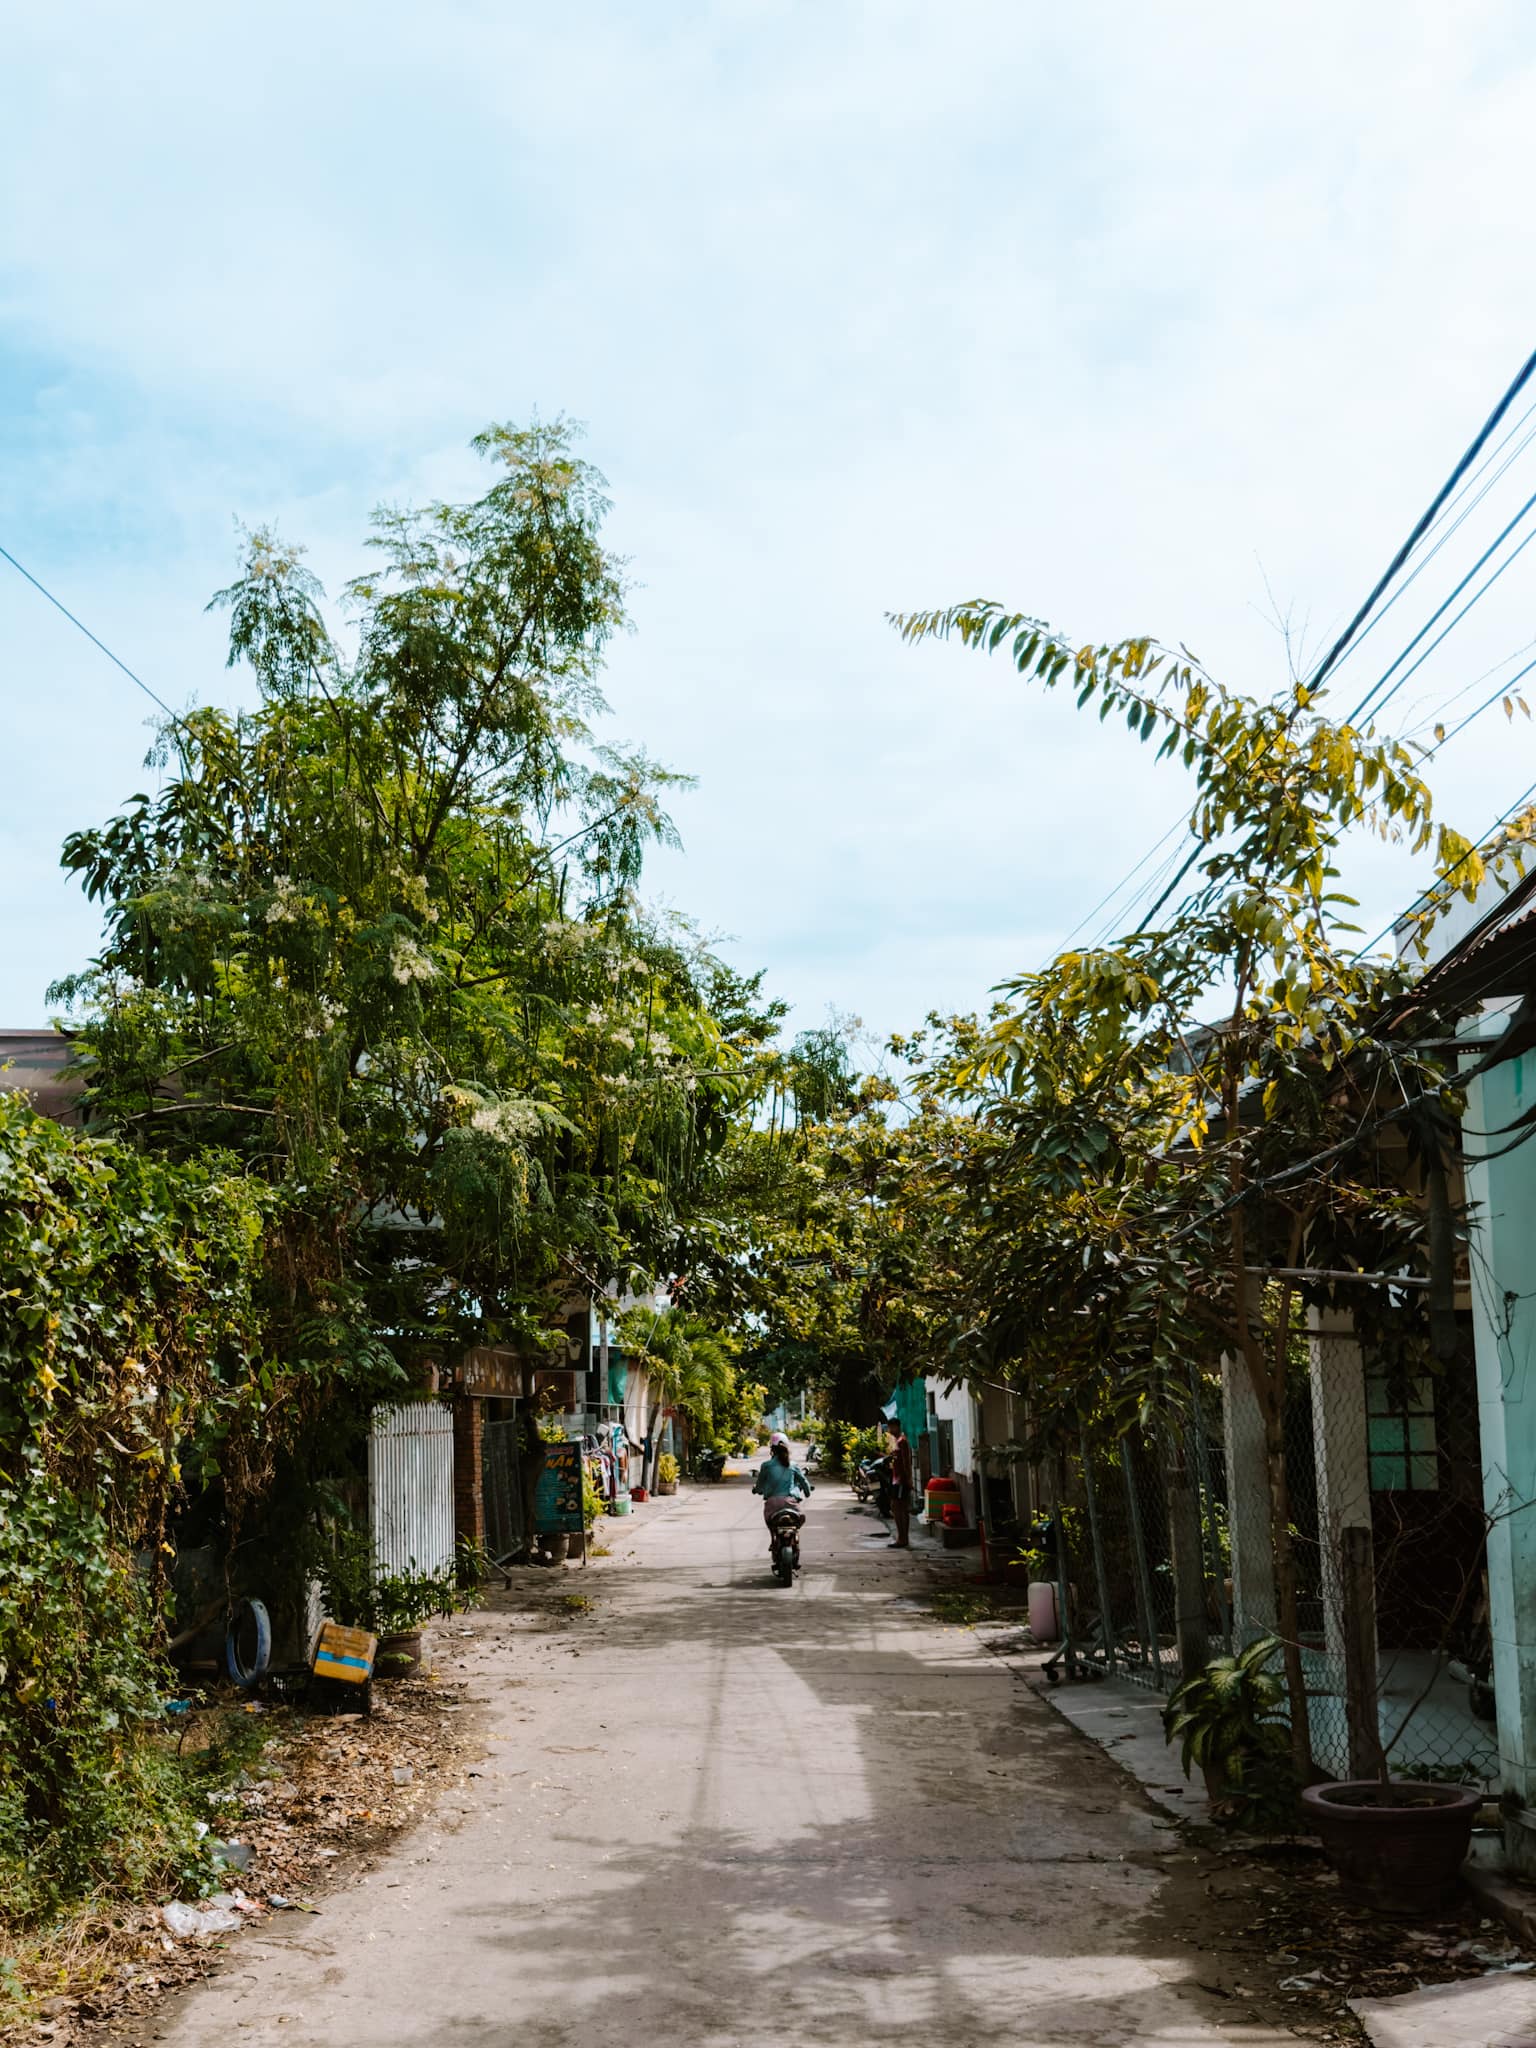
[[400, 1655], [666, 1486], [1397, 1848]]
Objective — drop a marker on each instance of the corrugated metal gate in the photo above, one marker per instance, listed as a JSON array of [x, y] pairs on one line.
[[410, 1486], [502, 1479]]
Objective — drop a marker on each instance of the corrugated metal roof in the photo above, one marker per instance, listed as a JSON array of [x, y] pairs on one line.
[[37, 1063]]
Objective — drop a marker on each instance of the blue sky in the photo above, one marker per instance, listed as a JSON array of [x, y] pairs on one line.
[[1129, 316]]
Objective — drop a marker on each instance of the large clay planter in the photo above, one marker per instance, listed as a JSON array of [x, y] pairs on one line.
[[1400, 1857], [400, 1655], [666, 1486]]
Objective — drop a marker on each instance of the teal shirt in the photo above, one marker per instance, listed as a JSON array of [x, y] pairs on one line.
[[775, 1480]]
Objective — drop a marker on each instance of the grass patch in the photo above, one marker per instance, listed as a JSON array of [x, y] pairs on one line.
[[575, 1603], [963, 1609]]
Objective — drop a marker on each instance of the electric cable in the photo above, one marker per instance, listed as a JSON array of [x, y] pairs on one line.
[[1423, 526], [117, 660], [1439, 613], [1465, 689], [1455, 525], [1426, 520]]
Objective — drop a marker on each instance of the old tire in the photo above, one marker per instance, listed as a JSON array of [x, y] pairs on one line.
[[248, 1642]]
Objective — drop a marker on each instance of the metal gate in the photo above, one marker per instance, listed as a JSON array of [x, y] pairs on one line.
[[502, 1478], [410, 1487]]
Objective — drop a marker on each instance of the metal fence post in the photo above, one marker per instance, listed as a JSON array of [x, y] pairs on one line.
[[1100, 1576], [1151, 1653], [1207, 1497]]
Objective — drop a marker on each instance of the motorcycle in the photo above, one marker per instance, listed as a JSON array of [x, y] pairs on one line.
[[784, 1544], [710, 1464], [872, 1481]]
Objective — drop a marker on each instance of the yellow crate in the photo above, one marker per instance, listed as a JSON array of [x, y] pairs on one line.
[[344, 1653]]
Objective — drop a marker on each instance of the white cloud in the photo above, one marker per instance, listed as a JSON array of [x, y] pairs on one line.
[[867, 306]]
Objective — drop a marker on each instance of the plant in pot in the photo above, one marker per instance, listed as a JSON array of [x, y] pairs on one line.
[[1397, 1843], [391, 1605], [1229, 1719], [402, 1602], [666, 1473]]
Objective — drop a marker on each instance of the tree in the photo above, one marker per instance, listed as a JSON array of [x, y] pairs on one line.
[[380, 941], [1184, 1126]]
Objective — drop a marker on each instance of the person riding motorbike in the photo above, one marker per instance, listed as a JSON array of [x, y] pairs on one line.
[[779, 1481]]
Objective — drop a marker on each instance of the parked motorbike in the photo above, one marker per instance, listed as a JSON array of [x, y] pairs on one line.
[[784, 1543], [710, 1464], [872, 1481]]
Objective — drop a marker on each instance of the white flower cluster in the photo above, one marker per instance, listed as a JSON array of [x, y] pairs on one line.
[[509, 1122], [323, 1017], [408, 963], [289, 902]]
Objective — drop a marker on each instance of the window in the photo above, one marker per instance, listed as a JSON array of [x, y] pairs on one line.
[[1400, 1421]]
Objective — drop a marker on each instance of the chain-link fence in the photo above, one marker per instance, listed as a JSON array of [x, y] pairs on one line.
[[1169, 1557]]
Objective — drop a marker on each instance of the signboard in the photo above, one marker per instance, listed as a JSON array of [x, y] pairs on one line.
[[492, 1369], [557, 1504]]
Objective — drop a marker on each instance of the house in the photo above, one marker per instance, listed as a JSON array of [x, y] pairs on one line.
[[1483, 971], [44, 1066]]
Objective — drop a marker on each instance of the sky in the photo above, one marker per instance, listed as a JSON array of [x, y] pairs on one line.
[[1164, 320]]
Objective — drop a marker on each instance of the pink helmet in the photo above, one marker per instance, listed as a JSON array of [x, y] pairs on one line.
[[776, 1439]]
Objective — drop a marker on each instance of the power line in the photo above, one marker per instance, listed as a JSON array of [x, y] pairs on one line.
[[1457, 523], [1427, 519], [117, 660], [1441, 610], [1464, 690], [1110, 894], [1342, 644]]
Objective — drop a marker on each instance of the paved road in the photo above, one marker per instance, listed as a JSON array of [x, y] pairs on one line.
[[716, 1812]]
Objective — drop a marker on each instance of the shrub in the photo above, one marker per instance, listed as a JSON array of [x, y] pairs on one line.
[[88, 1801], [1229, 1719]]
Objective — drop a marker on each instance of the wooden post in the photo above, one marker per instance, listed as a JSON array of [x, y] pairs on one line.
[[1357, 1603]]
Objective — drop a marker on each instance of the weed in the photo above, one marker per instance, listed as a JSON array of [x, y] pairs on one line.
[[962, 1609]]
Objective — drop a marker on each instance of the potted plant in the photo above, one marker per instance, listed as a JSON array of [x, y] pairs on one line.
[[1229, 1718], [402, 1602], [391, 1605], [1397, 1844], [666, 1473]]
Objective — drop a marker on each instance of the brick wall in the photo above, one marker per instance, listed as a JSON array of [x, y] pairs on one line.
[[468, 1469]]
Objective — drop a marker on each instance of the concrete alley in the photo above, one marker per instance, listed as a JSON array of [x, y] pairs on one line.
[[714, 1812]]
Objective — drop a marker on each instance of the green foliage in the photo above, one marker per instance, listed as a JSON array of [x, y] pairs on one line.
[[693, 1365], [125, 1357], [88, 1802], [837, 1441], [379, 939], [866, 1443], [666, 1469], [359, 1595], [592, 1501], [1229, 1720]]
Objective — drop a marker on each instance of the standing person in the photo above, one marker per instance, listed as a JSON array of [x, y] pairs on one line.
[[901, 1483]]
